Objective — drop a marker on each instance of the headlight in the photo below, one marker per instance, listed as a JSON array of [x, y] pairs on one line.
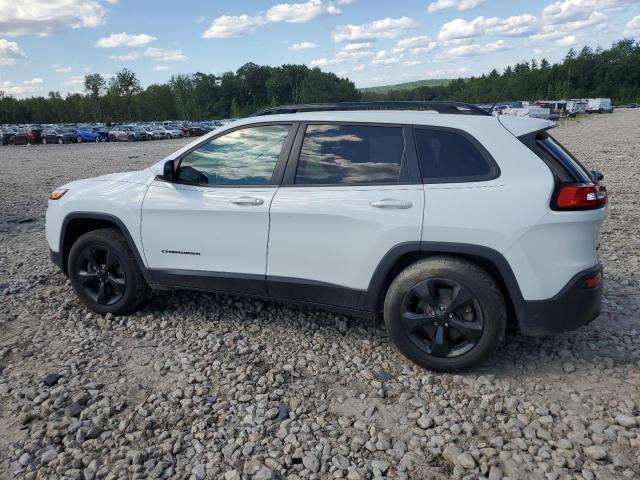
[[57, 194]]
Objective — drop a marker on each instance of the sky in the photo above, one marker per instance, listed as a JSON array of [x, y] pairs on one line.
[[49, 45]]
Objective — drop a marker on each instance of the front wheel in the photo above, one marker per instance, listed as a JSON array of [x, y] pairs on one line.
[[445, 314], [104, 273]]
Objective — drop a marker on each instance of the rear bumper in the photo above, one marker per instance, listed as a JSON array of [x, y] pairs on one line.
[[573, 307]]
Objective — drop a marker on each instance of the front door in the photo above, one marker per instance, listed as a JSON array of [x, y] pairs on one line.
[[209, 228]]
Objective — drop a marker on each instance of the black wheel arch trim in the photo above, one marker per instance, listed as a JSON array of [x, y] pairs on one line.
[[380, 279], [62, 261]]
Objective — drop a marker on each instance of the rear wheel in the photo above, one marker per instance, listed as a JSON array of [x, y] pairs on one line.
[[445, 314], [104, 273]]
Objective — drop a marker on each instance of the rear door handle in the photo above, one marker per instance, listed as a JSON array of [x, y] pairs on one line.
[[392, 203], [247, 201]]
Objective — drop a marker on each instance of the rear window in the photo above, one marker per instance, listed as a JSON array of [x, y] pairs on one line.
[[350, 155], [564, 165], [447, 156]]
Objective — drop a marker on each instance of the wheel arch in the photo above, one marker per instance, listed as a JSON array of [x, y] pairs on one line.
[[403, 255], [77, 224]]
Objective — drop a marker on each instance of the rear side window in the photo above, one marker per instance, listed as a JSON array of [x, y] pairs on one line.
[[450, 157], [562, 163], [350, 155]]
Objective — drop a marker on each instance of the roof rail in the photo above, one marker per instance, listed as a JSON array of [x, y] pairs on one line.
[[456, 108]]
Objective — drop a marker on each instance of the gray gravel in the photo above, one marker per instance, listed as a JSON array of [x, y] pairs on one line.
[[205, 386]]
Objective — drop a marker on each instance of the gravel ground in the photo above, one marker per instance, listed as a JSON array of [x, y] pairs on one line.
[[205, 386]]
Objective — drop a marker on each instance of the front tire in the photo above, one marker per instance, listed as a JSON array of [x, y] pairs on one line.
[[445, 314], [104, 273]]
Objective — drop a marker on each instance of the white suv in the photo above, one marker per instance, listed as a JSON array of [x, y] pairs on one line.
[[451, 223]]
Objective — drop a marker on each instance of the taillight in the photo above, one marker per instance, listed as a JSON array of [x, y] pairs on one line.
[[583, 196], [593, 281]]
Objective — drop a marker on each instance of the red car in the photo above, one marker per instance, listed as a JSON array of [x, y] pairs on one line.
[[20, 137], [34, 135]]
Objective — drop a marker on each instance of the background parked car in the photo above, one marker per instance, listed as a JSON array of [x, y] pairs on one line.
[[118, 134], [195, 129], [57, 135], [174, 132], [20, 137], [103, 133], [5, 136], [139, 133], [159, 132], [34, 134], [86, 136], [178, 126]]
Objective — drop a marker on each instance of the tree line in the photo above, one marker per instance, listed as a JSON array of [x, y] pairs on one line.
[[613, 73], [196, 96]]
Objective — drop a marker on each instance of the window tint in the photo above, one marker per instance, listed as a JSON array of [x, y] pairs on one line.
[[551, 147], [350, 154], [242, 157], [449, 156]]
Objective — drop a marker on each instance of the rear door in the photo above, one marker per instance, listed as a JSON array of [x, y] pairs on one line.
[[209, 228], [351, 193]]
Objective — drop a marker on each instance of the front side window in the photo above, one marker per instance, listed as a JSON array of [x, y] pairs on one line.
[[243, 157], [350, 155], [447, 156]]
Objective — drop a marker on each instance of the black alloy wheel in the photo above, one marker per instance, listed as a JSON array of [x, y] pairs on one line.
[[445, 313], [105, 273], [101, 275], [442, 318]]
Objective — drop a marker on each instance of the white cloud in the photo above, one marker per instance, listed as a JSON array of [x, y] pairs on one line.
[[475, 49], [421, 44], [572, 10], [385, 28], [359, 68], [302, 46], [411, 63], [126, 57], [633, 27], [300, 12], [59, 69], [160, 68], [75, 80], [356, 46], [458, 28], [567, 41], [10, 52], [555, 32], [124, 40], [164, 55], [44, 17], [459, 5], [23, 89], [383, 57], [227, 26]]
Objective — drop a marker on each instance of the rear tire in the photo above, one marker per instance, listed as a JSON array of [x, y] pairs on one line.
[[104, 273], [445, 314]]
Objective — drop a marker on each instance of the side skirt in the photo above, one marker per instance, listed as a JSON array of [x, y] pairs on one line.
[[285, 290]]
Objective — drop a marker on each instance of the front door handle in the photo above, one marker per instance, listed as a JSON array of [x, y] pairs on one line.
[[392, 203], [247, 201]]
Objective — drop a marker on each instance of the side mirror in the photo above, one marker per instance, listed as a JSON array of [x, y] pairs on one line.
[[168, 170], [597, 175]]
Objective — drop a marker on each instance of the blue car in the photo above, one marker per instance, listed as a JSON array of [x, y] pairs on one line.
[[86, 136]]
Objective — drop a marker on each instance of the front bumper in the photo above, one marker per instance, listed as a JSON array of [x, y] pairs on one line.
[[573, 307], [56, 258]]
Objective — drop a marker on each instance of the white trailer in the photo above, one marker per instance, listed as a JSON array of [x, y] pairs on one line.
[[599, 105]]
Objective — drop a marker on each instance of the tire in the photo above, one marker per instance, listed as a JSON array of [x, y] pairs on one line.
[[79, 139], [433, 341], [44, 141], [60, 141], [97, 139], [101, 261]]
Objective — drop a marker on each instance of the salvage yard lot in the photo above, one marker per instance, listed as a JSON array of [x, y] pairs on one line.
[[206, 386]]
